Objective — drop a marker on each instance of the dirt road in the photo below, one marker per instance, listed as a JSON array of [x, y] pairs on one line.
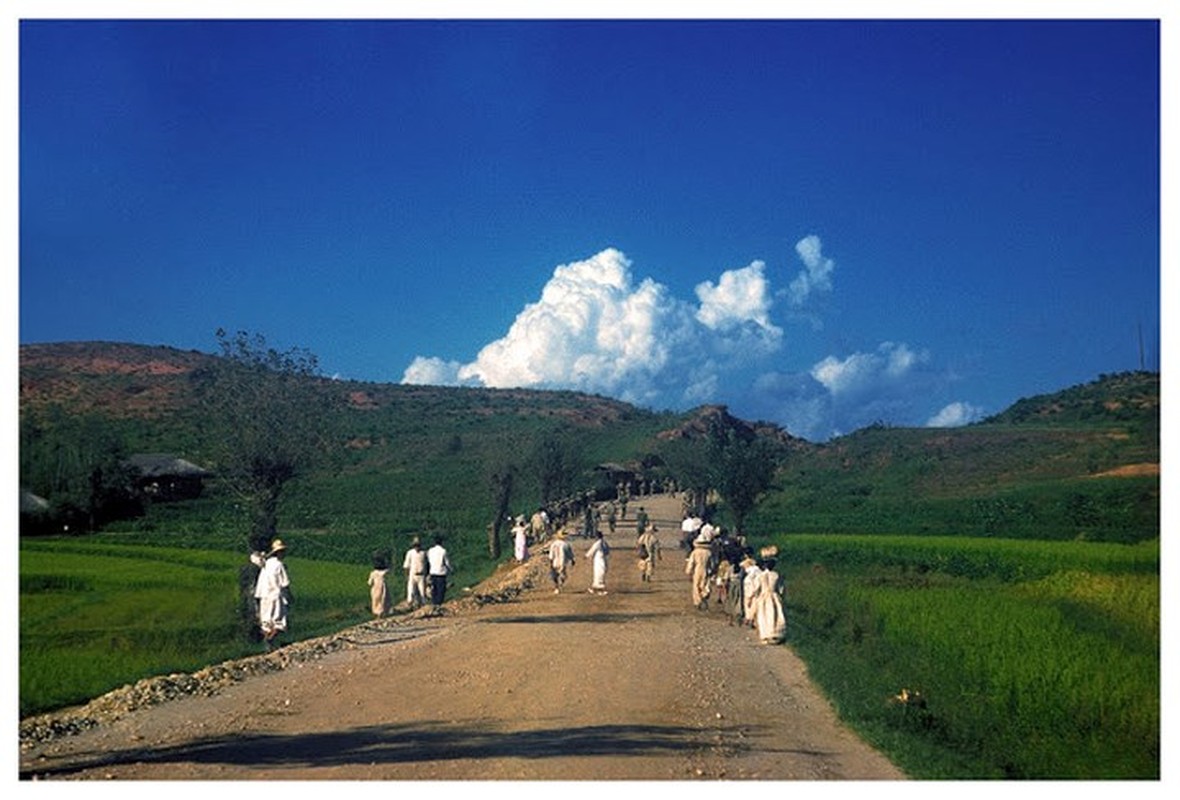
[[635, 684]]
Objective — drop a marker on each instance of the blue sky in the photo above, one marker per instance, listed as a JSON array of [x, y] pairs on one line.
[[821, 223]]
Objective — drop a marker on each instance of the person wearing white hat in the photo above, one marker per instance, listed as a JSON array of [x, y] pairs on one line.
[[273, 592], [561, 558]]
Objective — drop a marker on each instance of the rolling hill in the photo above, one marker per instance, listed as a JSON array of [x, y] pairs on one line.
[[1079, 463]]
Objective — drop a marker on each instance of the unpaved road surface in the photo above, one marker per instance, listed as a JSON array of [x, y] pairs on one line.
[[632, 685]]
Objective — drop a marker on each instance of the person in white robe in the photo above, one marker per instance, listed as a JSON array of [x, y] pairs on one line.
[[768, 605], [416, 567], [273, 592], [520, 541], [598, 554], [696, 567], [749, 582]]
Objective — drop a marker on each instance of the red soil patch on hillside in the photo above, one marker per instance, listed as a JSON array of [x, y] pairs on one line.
[[1129, 471]]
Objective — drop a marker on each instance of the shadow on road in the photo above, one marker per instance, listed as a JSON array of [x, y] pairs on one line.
[[391, 744]]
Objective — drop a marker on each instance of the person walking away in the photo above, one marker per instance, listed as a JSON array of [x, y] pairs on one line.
[[749, 587], [273, 592], [696, 566], [768, 605], [439, 565], [520, 541], [539, 525], [734, 604], [416, 567], [598, 554], [647, 548], [378, 590], [690, 528], [589, 528], [641, 520], [561, 558]]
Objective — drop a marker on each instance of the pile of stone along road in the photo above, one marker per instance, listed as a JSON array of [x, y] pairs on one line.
[[502, 587]]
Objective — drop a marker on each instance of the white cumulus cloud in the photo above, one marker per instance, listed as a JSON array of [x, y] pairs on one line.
[[954, 415], [739, 296], [432, 372], [861, 372], [816, 275], [595, 328]]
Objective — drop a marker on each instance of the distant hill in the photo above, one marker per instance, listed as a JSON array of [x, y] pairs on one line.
[[1111, 399], [1079, 463], [1082, 462]]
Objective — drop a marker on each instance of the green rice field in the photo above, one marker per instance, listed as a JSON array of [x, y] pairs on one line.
[[1021, 659]]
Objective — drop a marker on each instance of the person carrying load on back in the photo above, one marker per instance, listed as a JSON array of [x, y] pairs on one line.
[[647, 549]]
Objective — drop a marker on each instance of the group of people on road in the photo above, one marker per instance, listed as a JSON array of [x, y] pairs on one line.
[[749, 590], [427, 572]]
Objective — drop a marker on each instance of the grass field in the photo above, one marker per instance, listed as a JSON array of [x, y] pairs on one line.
[[1033, 660], [95, 616]]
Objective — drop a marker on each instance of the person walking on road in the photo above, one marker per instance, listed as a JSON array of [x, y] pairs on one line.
[[440, 568], [378, 590], [697, 568], [598, 554], [641, 520], [561, 558], [273, 591], [647, 548], [749, 587], [416, 567], [520, 540], [768, 604]]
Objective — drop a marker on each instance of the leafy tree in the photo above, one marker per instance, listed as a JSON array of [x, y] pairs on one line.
[[268, 415], [742, 469], [687, 460], [501, 479], [79, 464], [556, 466]]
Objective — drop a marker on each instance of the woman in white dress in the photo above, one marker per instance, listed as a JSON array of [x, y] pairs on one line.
[[749, 585], [520, 541], [768, 605], [598, 554]]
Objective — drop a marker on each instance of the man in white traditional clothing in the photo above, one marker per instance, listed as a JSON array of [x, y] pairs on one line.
[[561, 558], [539, 524], [520, 540], [647, 549], [273, 592], [697, 568], [416, 568]]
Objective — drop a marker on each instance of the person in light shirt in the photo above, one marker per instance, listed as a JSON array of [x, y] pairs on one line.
[[416, 569], [273, 592], [440, 567]]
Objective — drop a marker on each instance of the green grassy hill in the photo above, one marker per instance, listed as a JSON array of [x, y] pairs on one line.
[[1078, 464], [1082, 463]]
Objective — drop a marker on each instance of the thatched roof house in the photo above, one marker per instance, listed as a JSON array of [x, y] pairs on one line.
[[166, 477]]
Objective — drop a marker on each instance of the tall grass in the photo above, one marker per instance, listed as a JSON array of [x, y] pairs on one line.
[[1033, 660], [95, 616]]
